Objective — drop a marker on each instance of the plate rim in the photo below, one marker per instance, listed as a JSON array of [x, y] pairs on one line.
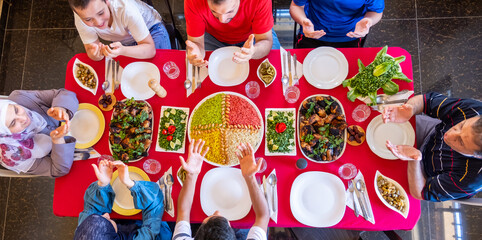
[[211, 69], [214, 172], [133, 66], [369, 137], [232, 93], [342, 190], [320, 50], [115, 175], [100, 132]]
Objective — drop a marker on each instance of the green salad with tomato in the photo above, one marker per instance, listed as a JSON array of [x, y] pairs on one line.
[[280, 131], [172, 129]]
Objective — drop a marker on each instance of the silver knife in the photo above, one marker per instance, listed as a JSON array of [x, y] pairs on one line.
[[117, 80], [367, 202], [108, 69], [113, 74], [362, 206], [266, 194]]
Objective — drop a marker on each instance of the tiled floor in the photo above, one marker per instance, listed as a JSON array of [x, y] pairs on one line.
[[444, 38]]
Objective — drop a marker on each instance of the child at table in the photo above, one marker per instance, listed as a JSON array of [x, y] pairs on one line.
[[135, 28], [95, 222], [31, 140]]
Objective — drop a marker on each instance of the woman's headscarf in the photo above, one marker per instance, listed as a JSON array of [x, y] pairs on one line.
[[19, 150]]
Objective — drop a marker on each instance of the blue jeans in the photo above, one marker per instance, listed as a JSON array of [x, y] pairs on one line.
[[211, 43], [160, 36]]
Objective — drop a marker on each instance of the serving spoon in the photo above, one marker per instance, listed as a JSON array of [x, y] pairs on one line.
[[272, 180]]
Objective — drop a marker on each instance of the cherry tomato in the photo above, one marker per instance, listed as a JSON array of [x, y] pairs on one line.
[[171, 129], [280, 127], [164, 132], [169, 138]]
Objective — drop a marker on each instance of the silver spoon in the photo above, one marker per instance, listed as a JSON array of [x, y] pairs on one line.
[[169, 180], [105, 85], [272, 180], [187, 82]]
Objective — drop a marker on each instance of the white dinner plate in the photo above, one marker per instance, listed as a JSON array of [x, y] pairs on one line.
[[224, 190], [223, 71], [378, 133], [317, 199], [325, 67], [123, 201], [135, 78], [87, 125]]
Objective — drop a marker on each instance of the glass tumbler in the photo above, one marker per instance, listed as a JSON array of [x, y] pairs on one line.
[[252, 89], [171, 70], [105, 157], [347, 171], [264, 165], [361, 113], [152, 166], [292, 94]]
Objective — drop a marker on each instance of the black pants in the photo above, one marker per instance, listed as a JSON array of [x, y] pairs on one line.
[[304, 42]]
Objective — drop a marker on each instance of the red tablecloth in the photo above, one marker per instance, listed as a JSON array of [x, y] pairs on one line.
[[69, 190]]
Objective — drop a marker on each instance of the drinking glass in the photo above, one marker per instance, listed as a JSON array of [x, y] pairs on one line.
[[252, 89], [105, 157], [361, 113], [347, 171], [292, 94], [171, 70], [264, 165], [152, 166]]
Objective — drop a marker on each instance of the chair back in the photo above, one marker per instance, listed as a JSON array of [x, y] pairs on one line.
[[471, 201]]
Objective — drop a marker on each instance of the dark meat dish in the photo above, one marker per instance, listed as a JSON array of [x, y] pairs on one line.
[[130, 130], [322, 128]]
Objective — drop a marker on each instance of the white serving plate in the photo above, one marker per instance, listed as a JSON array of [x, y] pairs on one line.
[[298, 128], [317, 199], [225, 190], [402, 192], [223, 71], [325, 67], [377, 134], [266, 150], [74, 70]]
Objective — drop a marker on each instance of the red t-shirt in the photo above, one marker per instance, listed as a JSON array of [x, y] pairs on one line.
[[253, 16]]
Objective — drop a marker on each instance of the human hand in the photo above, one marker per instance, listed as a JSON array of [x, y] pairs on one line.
[[397, 114], [404, 152], [194, 55], [249, 167], [59, 133], [103, 172], [95, 50], [59, 114], [309, 30], [124, 173], [112, 50], [246, 52], [195, 158], [361, 29]]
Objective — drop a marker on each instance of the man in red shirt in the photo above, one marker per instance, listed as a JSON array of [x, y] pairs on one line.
[[212, 24]]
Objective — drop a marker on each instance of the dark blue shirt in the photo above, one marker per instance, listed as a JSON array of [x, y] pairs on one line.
[[338, 17], [450, 175]]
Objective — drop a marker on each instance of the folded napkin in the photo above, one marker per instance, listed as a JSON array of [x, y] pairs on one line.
[[273, 214], [163, 186], [349, 198], [109, 76], [203, 73], [84, 154], [299, 67]]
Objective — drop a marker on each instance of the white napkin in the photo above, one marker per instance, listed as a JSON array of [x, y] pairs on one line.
[[161, 184], [78, 153], [349, 198], [203, 73], [299, 67], [272, 214]]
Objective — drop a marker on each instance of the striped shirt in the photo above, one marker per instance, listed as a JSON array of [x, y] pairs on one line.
[[450, 175]]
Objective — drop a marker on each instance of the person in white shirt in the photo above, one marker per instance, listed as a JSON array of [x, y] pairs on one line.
[[216, 226], [134, 28]]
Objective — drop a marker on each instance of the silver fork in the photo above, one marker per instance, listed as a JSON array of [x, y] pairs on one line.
[[284, 79]]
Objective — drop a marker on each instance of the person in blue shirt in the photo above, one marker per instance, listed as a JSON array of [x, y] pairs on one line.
[[448, 162], [335, 23], [95, 222]]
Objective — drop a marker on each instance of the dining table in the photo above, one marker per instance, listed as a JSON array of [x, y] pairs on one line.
[[69, 189]]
